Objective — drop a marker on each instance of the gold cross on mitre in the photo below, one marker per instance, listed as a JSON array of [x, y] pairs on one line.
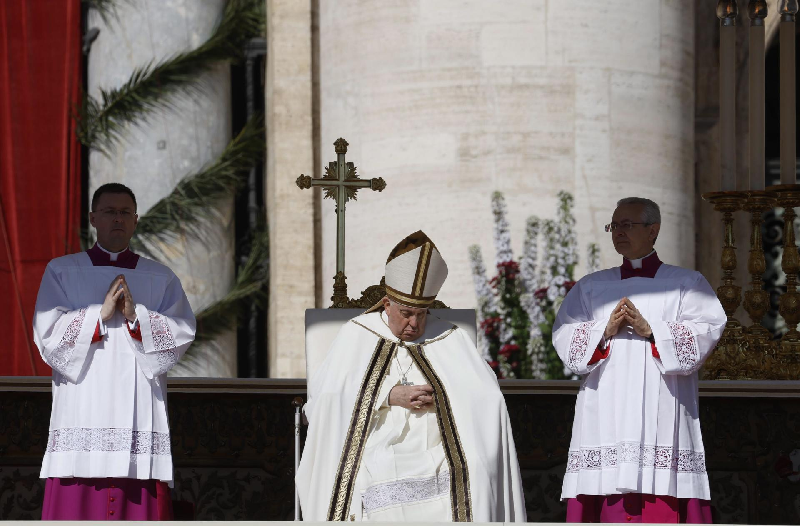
[[341, 182]]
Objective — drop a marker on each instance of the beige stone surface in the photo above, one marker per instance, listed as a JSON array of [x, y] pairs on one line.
[[157, 153], [290, 151], [449, 101]]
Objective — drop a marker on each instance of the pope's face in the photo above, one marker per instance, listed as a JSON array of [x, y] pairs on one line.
[[637, 241], [406, 323], [114, 219]]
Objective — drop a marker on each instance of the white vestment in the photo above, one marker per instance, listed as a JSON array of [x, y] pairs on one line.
[[637, 423], [366, 460], [109, 415]]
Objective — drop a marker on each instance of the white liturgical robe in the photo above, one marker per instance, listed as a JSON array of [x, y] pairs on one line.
[[636, 424], [366, 460], [109, 416]]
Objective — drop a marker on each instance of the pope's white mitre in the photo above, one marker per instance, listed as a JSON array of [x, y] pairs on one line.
[[415, 271]]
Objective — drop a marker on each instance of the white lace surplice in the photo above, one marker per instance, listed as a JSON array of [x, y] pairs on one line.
[[636, 424], [109, 416]]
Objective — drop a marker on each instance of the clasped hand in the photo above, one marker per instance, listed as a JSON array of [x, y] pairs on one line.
[[625, 311], [119, 298], [411, 396]]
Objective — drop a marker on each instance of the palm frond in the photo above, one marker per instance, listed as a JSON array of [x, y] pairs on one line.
[[183, 210], [249, 287], [101, 123]]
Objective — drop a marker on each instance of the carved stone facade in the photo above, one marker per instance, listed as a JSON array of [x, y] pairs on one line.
[[232, 445]]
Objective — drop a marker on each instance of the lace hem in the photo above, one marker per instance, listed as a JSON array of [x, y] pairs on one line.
[[654, 457], [108, 439], [61, 355], [684, 345], [579, 344], [406, 491]]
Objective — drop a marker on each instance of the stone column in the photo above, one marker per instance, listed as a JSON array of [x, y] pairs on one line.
[[448, 101], [156, 154], [288, 117]]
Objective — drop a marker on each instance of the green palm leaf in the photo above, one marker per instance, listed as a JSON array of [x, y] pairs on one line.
[[249, 288], [185, 208], [101, 123]]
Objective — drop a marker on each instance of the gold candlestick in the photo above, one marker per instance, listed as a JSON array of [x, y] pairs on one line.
[[788, 196], [757, 300], [727, 363]]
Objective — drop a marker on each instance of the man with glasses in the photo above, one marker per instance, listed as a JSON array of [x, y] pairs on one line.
[[638, 333], [110, 324]]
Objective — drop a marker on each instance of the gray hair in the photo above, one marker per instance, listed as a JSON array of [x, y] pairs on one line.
[[651, 214]]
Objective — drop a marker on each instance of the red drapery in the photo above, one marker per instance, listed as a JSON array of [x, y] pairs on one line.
[[40, 163]]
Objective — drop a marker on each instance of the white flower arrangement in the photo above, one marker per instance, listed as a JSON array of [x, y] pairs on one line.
[[504, 250], [518, 306]]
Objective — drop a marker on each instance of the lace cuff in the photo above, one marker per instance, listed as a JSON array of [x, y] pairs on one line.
[[584, 340], [677, 347], [156, 353], [71, 352]]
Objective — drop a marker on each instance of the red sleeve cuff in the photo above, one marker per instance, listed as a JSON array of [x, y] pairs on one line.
[[97, 336], [136, 333], [599, 353]]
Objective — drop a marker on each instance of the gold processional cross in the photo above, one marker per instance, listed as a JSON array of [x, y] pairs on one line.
[[341, 182]]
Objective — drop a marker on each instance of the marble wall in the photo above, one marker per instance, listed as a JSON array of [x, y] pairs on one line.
[[288, 123], [451, 100]]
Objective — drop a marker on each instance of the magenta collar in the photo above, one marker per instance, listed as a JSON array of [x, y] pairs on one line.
[[101, 258]]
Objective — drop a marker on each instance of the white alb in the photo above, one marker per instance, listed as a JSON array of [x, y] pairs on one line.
[[637, 421], [109, 416]]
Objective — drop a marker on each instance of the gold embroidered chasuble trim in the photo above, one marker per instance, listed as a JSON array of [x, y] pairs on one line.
[[459, 491], [357, 434]]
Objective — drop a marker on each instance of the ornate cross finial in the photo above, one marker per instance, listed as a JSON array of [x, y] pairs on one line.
[[341, 183]]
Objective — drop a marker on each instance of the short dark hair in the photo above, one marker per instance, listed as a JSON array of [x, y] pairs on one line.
[[112, 188]]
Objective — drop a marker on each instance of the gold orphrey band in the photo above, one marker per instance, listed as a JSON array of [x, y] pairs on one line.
[[460, 490], [357, 434]]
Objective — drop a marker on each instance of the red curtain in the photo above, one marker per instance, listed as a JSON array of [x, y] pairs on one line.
[[40, 163]]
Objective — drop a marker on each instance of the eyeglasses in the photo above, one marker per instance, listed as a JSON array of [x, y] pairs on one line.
[[111, 214], [627, 225]]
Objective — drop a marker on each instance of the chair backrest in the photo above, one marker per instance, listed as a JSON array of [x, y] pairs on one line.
[[321, 326]]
